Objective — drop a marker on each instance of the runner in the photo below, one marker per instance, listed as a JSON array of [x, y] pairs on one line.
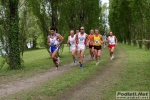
[[81, 37], [72, 42], [98, 40], [112, 42], [91, 45], [54, 40], [105, 39], [57, 56], [77, 31]]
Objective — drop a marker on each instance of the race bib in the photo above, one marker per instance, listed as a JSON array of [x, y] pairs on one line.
[[71, 42], [81, 39], [97, 41], [52, 42]]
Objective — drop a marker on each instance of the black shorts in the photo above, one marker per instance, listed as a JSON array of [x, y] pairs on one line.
[[90, 46], [97, 47]]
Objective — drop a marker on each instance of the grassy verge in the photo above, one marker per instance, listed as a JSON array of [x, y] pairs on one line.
[[135, 77], [51, 88], [35, 61]]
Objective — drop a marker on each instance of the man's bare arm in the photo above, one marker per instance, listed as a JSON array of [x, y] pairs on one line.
[[61, 39], [48, 41]]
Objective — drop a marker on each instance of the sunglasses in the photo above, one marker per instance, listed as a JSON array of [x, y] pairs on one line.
[[81, 29]]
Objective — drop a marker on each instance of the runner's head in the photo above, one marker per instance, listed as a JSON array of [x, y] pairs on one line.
[[111, 33], [56, 30], [82, 29], [91, 31], [71, 32], [52, 31], [96, 31], [77, 31]]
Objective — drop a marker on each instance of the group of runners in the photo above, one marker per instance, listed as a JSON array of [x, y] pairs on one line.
[[78, 43]]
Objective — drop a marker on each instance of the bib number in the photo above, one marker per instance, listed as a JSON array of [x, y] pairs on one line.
[[52, 42], [97, 42], [82, 39], [71, 42]]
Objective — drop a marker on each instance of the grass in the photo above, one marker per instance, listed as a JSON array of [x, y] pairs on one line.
[[135, 77], [51, 88], [35, 61]]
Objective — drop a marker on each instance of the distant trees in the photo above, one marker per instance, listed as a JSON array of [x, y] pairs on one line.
[[23, 21], [129, 20]]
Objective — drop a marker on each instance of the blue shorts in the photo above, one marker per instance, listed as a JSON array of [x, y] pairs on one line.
[[53, 48]]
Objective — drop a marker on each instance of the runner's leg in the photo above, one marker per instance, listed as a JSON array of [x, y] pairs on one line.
[[73, 52], [112, 51], [54, 57], [79, 55], [82, 54], [93, 51], [96, 55]]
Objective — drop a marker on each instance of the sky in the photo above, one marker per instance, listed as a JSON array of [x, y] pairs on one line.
[[105, 1]]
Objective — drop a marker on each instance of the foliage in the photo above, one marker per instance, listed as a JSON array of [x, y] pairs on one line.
[[129, 20], [34, 18]]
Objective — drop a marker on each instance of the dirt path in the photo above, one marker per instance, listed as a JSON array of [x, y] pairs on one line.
[[89, 89], [92, 88], [29, 83]]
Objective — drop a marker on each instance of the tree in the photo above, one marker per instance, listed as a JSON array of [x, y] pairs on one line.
[[14, 53]]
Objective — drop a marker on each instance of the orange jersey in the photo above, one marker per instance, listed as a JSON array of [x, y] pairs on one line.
[[91, 40]]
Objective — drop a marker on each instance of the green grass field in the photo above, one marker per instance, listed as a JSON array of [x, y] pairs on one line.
[[135, 76], [35, 61], [51, 88]]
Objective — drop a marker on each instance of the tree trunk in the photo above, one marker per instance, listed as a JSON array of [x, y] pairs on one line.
[[125, 41], [140, 44], [54, 13], [34, 43], [134, 42], [134, 37], [14, 53]]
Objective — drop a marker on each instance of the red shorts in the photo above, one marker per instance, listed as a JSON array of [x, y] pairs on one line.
[[111, 45]]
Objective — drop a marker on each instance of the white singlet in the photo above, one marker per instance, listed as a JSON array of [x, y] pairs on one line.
[[81, 41], [53, 41], [112, 40], [72, 42]]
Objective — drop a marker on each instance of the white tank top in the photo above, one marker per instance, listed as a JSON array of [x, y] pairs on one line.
[[53, 41], [72, 40], [81, 38], [112, 40]]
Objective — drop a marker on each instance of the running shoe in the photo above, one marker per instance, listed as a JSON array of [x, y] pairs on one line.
[[97, 63], [81, 66], [113, 56], [104, 46], [75, 62]]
